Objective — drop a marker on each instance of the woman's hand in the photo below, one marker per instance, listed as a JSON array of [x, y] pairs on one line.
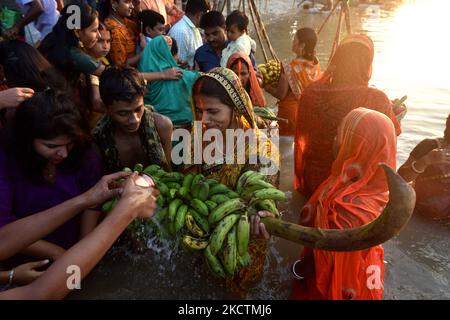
[[172, 74], [438, 156], [257, 228], [26, 273], [105, 189], [141, 199], [13, 97]]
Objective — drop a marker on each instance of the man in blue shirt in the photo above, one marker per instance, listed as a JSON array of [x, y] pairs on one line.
[[208, 56]]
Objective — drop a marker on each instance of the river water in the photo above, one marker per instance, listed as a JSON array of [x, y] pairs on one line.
[[411, 59]]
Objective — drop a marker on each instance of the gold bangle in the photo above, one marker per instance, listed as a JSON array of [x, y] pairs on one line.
[[413, 167]]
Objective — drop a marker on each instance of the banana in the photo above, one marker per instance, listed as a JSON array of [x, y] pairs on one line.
[[243, 235], [158, 174], [161, 215], [204, 191], [173, 208], [180, 217], [256, 176], [220, 232], [218, 189], [173, 194], [193, 227], [197, 178], [172, 177], [201, 221], [172, 185], [160, 201], [230, 252], [212, 182], [163, 189], [261, 183], [225, 209], [184, 193], [200, 190], [194, 243], [232, 195], [151, 170], [271, 194], [187, 181], [242, 179], [126, 169], [107, 206], [200, 207], [267, 205], [245, 260], [211, 205], [214, 263], [248, 191], [219, 198], [138, 168]]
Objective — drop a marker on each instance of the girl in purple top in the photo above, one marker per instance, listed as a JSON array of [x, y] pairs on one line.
[[47, 160]]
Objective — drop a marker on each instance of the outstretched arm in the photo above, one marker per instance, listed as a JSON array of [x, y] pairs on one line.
[[135, 202], [37, 226]]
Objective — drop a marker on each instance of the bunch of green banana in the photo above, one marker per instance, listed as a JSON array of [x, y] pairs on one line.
[[271, 72]]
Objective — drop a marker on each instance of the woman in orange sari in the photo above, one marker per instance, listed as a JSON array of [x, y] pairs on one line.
[[296, 75], [241, 64], [354, 195], [323, 105]]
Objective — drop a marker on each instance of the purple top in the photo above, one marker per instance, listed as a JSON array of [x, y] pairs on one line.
[[20, 197]]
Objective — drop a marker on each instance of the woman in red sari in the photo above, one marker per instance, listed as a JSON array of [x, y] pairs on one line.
[[241, 64], [324, 104], [355, 194]]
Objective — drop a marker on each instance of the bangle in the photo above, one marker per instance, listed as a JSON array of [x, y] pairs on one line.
[[296, 275], [10, 277], [413, 167]]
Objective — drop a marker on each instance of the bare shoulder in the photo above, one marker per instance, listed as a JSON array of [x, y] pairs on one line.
[[163, 124]]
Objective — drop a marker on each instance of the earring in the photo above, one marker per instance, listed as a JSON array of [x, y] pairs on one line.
[[80, 44]]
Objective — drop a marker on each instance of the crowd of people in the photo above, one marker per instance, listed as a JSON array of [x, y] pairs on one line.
[[83, 102]]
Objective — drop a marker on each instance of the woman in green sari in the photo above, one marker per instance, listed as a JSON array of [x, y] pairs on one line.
[[222, 103], [171, 98]]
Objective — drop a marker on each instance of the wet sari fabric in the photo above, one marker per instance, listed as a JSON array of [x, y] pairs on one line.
[[354, 195]]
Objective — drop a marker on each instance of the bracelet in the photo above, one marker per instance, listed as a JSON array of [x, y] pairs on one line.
[[11, 275], [413, 167], [296, 275]]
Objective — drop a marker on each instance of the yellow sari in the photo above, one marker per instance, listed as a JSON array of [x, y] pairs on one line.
[[229, 174]]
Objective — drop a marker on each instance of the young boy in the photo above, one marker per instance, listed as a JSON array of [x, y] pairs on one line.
[[240, 41], [153, 24]]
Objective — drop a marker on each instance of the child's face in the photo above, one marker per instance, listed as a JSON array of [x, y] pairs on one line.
[[103, 45], [157, 30], [233, 32]]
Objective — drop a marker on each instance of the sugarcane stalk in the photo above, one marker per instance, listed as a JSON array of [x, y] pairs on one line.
[[263, 29], [258, 33], [392, 220]]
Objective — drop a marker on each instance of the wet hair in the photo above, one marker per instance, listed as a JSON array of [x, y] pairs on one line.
[[212, 19], [121, 83], [309, 37], [239, 19], [150, 18], [47, 115], [197, 6], [24, 66], [56, 45], [212, 88]]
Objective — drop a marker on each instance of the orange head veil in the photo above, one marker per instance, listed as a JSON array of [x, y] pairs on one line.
[[351, 64], [356, 191]]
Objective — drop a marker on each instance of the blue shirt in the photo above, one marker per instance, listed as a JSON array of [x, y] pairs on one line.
[[208, 59]]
